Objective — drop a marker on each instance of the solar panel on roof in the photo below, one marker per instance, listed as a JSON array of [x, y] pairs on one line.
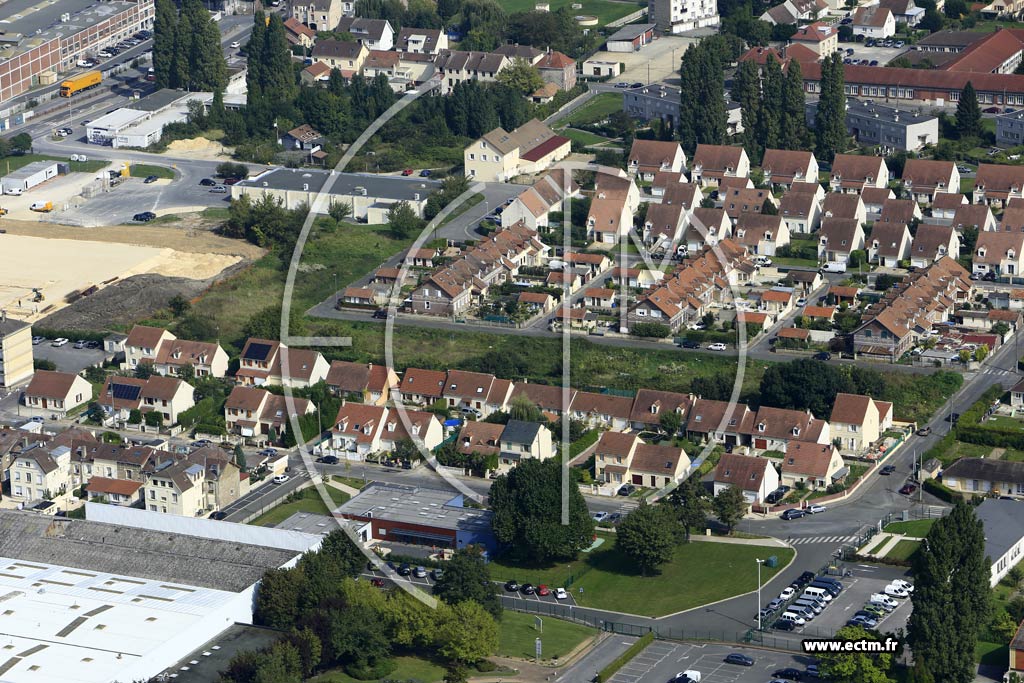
[[257, 352], [126, 392]]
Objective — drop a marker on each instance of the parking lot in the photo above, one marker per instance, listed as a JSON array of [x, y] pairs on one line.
[[857, 591], [133, 196], [67, 358], [662, 660], [883, 55]]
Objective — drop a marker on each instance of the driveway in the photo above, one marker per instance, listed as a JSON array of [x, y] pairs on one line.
[[656, 62], [67, 358]]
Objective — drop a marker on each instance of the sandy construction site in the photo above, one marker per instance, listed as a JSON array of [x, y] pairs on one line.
[[62, 263]]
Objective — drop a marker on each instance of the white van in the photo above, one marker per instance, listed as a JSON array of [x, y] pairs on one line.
[[794, 617], [884, 600], [818, 593], [834, 267]]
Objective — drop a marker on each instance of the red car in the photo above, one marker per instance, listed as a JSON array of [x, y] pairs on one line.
[[407, 171], [907, 489], [543, 590], [378, 582]]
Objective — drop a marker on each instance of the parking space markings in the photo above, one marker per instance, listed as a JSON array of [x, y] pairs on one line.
[[822, 539], [657, 652]]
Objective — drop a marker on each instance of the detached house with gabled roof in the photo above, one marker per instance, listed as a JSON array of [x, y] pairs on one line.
[[168, 396], [899, 211], [815, 465], [269, 362], [840, 205], [974, 216], [925, 178], [785, 167], [761, 234], [650, 157], [945, 204], [851, 173], [859, 421], [933, 242], [801, 211], [428, 41], [253, 413], [422, 387], [626, 459], [56, 393], [755, 477], [520, 441], [500, 155], [712, 163], [476, 392], [533, 204], [889, 244], [996, 184], [357, 429], [345, 56], [169, 355], [375, 34], [774, 429], [874, 21], [1000, 253], [838, 238]]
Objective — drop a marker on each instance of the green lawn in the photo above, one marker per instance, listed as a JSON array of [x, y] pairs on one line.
[[966, 185], [1003, 422], [702, 572], [582, 137], [1012, 455], [918, 528], [516, 634], [903, 550], [964, 450], [143, 170], [605, 11], [788, 261], [995, 654], [13, 163], [216, 213], [309, 502], [350, 481], [875, 547], [408, 669], [596, 109]]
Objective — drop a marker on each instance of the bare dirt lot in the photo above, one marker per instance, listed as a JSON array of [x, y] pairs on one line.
[[127, 272]]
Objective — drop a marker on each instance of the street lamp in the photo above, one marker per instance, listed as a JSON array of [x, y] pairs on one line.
[[759, 563]]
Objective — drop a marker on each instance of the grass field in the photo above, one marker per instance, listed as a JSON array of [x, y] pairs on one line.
[[994, 654], [903, 550], [408, 669], [605, 11], [918, 528], [701, 572], [309, 502], [516, 634], [582, 137], [598, 108], [13, 163], [788, 261], [143, 170], [1003, 422]]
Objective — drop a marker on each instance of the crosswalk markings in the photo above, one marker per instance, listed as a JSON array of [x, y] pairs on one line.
[[807, 540]]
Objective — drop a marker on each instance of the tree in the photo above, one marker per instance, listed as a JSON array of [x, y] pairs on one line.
[[403, 221], [522, 408], [44, 364], [521, 76], [339, 211], [144, 370], [856, 667], [768, 207], [955, 9], [981, 353], [527, 505], [670, 421], [730, 505], [467, 577], [746, 92], [793, 125], [830, 119], [702, 116], [179, 305], [968, 113], [154, 419], [690, 501], [466, 633], [931, 21], [165, 24], [646, 536], [21, 143], [95, 413], [239, 458], [768, 124], [951, 597]]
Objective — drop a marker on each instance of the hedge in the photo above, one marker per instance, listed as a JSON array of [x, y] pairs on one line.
[[623, 659], [939, 490], [710, 336]]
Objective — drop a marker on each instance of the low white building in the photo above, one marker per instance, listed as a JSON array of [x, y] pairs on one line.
[[30, 175], [1004, 535]]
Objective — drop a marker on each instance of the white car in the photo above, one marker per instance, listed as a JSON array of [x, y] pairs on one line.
[[600, 516], [794, 617], [717, 346], [61, 341], [281, 478], [561, 594], [815, 509], [884, 600], [15, 191], [905, 585], [801, 301], [787, 593], [896, 591], [235, 45], [36, 341]]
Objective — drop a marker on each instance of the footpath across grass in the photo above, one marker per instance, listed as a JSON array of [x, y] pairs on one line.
[[916, 528], [702, 572], [517, 633]]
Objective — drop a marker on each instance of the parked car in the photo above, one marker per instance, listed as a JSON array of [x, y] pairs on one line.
[[787, 593], [36, 341], [636, 85], [80, 344], [887, 470], [815, 509], [924, 431], [776, 604], [527, 589], [426, 173], [600, 516], [218, 515], [377, 582], [822, 355], [626, 490], [329, 460], [905, 585], [793, 513], [561, 594], [281, 478], [219, 189], [404, 569], [896, 591], [207, 182], [235, 45], [687, 344], [789, 674], [908, 488], [621, 86], [420, 572], [543, 590], [381, 314], [717, 346], [436, 574], [150, 179], [60, 341], [408, 171], [144, 217], [737, 658], [784, 624], [863, 622], [512, 585]]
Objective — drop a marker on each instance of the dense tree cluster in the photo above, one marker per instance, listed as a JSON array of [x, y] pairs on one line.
[[332, 620], [951, 596], [830, 119], [773, 107], [187, 53], [527, 505], [856, 667], [807, 384]]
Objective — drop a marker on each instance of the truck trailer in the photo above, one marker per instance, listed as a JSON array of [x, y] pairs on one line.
[[73, 86]]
